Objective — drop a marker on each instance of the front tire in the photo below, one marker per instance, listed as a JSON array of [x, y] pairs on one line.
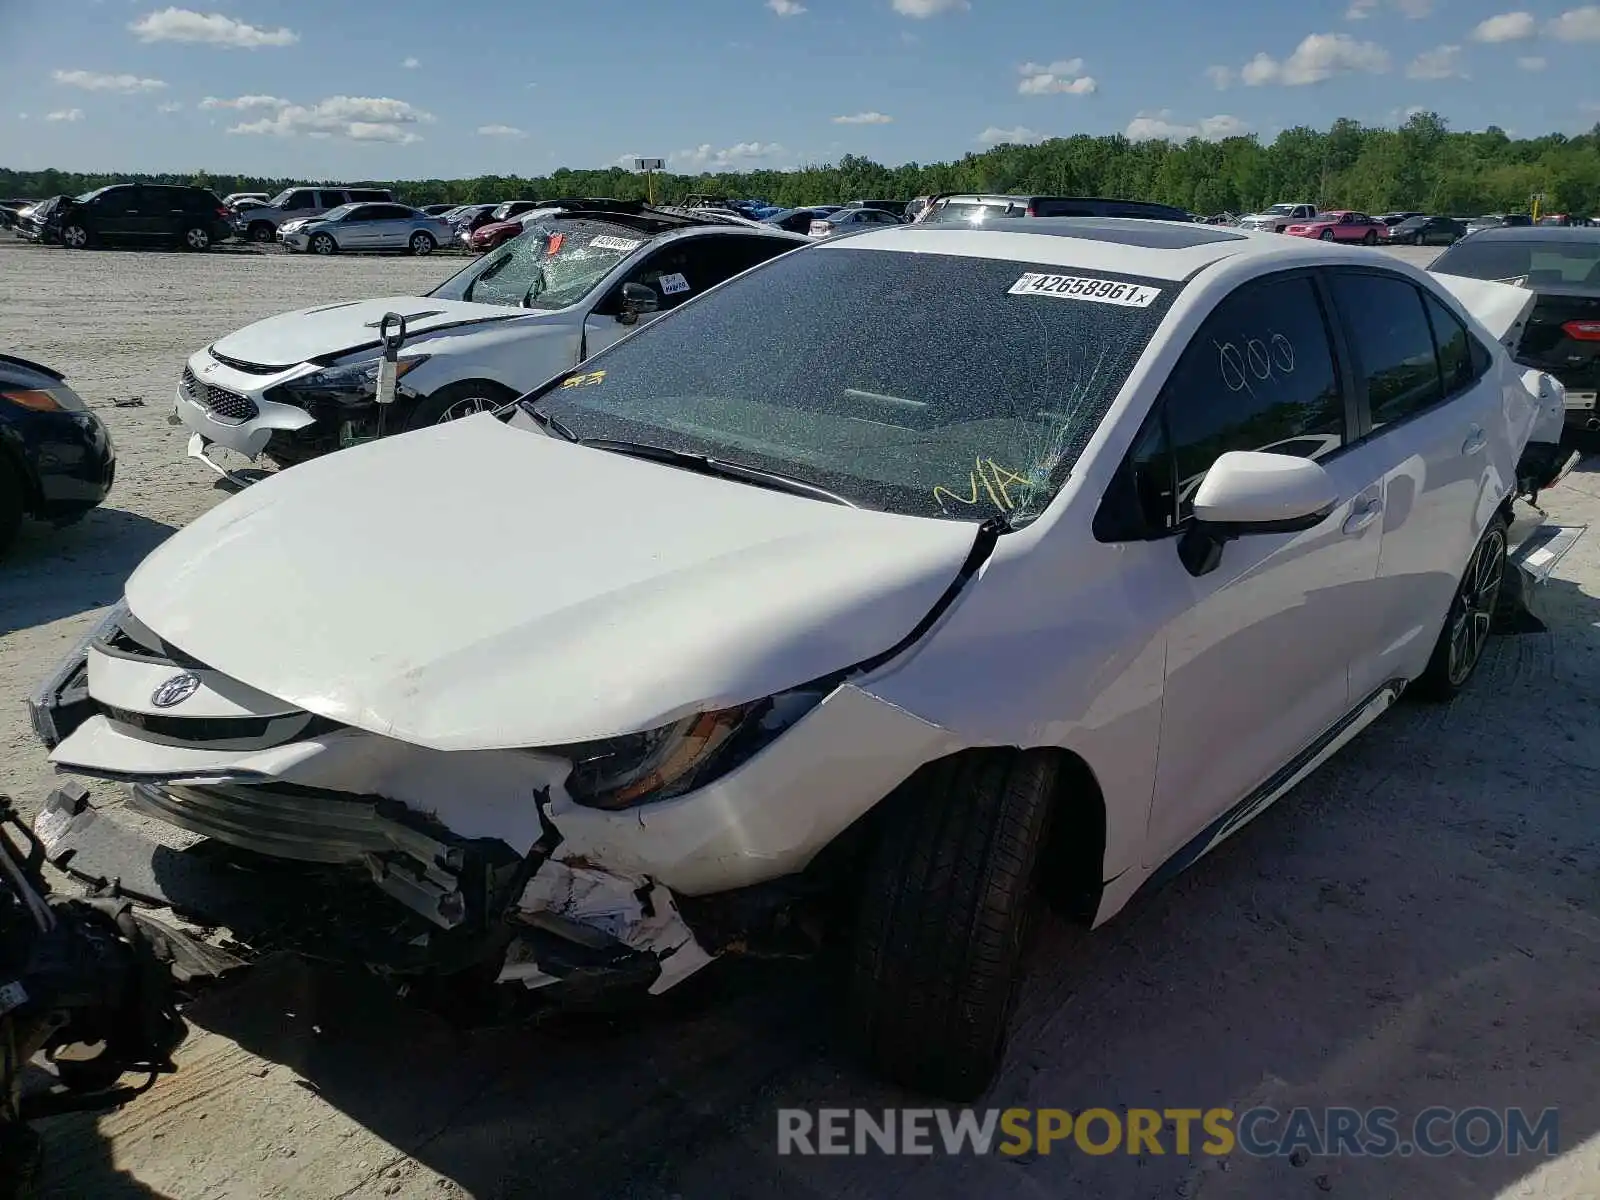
[[75, 236], [263, 231], [1326, 235], [1472, 611], [457, 400], [13, 500], [944, 920], [323, 243], [422, 244]]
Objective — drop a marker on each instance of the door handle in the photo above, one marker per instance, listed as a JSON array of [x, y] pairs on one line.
[[1476, 440], [1361, 517]]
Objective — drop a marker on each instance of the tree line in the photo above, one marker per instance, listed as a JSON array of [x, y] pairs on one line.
[[1420, 165]]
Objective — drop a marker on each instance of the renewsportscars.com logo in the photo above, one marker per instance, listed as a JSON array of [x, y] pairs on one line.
[[1258, 1132]]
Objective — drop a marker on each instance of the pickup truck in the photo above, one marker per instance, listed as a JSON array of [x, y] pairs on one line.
[[1279, 217]]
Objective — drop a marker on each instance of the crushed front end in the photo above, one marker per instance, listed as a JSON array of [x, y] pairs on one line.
[[333, 842]]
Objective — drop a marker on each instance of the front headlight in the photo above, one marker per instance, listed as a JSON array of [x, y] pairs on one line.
[[352, 383], [658, 764], [51, 399]]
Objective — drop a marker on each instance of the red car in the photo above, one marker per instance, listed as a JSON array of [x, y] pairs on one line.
[[487, 237], [1341, 227]]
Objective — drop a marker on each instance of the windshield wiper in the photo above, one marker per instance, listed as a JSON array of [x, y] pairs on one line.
[[707, 465], [546, 421]]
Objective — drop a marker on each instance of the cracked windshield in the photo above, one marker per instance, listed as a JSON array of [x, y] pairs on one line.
[[648, 602]]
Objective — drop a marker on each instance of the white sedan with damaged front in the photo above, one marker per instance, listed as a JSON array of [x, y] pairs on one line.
[[934, 569]]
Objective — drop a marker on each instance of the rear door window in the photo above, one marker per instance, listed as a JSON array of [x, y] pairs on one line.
[[1392, 343], [1463, 359]]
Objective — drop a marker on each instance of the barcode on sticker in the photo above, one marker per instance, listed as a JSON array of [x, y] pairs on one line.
[[1082, 287], [12, 995], [607, 242]]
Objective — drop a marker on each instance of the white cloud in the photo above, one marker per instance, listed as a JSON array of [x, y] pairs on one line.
[[1221, 77], [212, 29], [171, 106], [1576, 25], [928, 8], [505, 131], [1063, 76], [864, 118], [242, 102], [412, 63], [1148, 127], [1019, 135], [353, 118], [1507, 27], [786, 8], [65, 114], [1360, 10], [1531, 62], [1442, 62], [1318, 57], [739, 156], [91, 81]]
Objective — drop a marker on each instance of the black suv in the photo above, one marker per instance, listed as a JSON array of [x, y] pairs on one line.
[[142, 214]]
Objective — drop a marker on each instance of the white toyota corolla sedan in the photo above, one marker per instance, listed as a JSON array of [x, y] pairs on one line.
[[937, 569]]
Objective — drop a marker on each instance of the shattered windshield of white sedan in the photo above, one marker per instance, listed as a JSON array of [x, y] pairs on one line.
[[925, 384]]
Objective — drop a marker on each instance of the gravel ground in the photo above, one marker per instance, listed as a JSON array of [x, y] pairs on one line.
[[1415, 925]]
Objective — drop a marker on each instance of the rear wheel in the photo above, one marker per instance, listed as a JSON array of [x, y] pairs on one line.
[[197, 238], [422, 243], [1371, 238], [1466, 625], [944, 920]]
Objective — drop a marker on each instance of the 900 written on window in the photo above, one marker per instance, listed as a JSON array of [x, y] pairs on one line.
[[1259, 375]]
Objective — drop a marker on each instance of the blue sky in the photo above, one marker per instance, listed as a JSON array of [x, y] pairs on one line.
[[430, 88]]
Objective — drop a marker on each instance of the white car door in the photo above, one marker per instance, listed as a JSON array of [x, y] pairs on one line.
[[391, 227], [354, 231], [1258, 650], [1443, 445]]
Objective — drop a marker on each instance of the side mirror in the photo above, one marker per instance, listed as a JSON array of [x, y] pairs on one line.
[[1251, 492], [637, 298]]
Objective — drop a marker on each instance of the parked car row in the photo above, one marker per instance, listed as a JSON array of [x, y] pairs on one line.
[[854, 615]]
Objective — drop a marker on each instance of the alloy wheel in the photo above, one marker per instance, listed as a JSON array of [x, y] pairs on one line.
[[422, 244], [468, 407], [75, 237], [1472, 611], [197, 239]]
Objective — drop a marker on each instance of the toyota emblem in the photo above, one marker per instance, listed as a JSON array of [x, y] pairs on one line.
[[175, 691]]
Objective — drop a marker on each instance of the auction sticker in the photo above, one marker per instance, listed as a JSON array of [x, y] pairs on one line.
[[1082, 287], [606, 242], [672, 284]]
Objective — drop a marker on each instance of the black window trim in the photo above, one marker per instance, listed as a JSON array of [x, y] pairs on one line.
[[1358, 368], [1115, 522]]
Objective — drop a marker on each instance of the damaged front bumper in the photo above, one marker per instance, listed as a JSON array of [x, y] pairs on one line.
[[339, 843]]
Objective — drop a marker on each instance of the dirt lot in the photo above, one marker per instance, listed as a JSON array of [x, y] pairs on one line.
[[1418, 924]]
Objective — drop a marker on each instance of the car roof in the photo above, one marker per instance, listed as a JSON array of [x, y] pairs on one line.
[[1123, 245], [1537, 233]]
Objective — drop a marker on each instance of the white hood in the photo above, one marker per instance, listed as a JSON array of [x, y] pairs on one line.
[[478, 586], [1501, 308], [293, 338]]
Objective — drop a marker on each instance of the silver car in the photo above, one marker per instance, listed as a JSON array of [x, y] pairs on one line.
[[367, 227]]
